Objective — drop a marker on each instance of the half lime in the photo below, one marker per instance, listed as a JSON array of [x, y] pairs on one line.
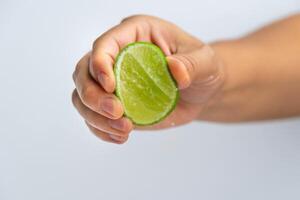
[[144, 84]]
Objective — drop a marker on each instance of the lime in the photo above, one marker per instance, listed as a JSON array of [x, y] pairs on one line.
[[144, 84]]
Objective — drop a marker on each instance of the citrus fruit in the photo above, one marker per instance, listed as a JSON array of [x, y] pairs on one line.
[[144, 84]]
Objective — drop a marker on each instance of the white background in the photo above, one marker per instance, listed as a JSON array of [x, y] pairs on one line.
[[47, 153]]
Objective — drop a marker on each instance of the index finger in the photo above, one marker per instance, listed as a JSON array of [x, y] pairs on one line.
[[106, 48]]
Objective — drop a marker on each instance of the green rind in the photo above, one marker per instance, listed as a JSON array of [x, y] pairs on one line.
[[117, 91]]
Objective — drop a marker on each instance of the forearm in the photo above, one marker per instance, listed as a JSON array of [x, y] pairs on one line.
[[262, 75]]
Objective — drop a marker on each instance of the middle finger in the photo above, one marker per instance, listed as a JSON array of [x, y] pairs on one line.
[[120, 127], [92, 94]]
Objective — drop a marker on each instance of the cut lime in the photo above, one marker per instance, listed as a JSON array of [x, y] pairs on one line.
[[144, 84]]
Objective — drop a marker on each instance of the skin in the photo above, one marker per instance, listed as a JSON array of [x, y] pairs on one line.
[[256, 77]]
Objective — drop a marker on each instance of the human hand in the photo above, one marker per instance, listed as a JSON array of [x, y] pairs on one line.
[[194, 65]]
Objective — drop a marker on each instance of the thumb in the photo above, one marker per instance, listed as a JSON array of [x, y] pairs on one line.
[[193, 66]]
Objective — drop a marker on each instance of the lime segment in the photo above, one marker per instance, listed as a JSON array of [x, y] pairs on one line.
[[144, 84]]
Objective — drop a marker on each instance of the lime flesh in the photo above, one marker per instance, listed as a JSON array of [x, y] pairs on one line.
[[144, 84]]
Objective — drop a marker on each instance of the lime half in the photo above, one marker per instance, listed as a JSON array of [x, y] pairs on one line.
[[144, 84]]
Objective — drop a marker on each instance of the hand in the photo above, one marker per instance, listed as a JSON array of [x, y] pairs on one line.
[[197, 70]]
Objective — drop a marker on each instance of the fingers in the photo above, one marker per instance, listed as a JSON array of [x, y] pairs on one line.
[[107, 137], [107, 46], [199, 74], [103, 127], [193, 67], [179, 72], [120, 126], [102, 111], [92, 95], [132, 29]]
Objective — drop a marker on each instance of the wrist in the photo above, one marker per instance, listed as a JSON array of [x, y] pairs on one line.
[[238, 62], [238, 59]]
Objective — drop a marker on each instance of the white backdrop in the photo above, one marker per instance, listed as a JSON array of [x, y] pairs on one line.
[[46, 152]]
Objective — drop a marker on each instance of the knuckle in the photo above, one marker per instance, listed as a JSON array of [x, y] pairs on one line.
[[74, 75], [76, 71], [208, 55], [74, 97], [135, 17], [128, 128], [88, 94], [95, 43], [190, 62], [95, 62], [79, 67]]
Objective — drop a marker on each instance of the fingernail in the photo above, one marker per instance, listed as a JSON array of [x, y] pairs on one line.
[[117, 124], [179, 71], [108, 105], [103, 79]]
